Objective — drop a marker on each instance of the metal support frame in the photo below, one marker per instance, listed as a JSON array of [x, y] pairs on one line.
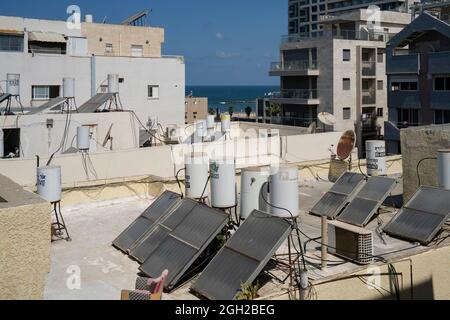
[[69, 105], [60, 227], [9, 104]]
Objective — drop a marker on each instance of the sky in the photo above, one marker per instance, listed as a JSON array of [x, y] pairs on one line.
[[224, 42]]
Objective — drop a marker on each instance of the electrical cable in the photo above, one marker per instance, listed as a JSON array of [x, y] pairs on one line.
[[418, 167], [145, 128], [178, 182]]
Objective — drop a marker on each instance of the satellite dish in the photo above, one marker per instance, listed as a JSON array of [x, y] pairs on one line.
[[327, 118], [346, 145]]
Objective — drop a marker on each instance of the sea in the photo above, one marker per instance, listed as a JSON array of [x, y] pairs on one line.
[[237, 97]]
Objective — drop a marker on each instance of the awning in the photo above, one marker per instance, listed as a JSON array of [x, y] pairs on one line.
[[11, 32], [46, 36]]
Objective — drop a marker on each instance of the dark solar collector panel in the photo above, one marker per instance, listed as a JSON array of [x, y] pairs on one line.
[[145, 221], [422, 217], [332, 203], [49, 105], [367, 201], [95, 102], [243, 257], [189, 238]]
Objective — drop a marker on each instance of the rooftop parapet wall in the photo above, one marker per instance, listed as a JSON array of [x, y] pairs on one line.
[[24, 242]]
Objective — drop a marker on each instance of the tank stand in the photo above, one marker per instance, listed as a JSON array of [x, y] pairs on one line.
[[60, 226]]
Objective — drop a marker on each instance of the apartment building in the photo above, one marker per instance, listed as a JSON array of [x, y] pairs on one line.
[[43, 52], [418, 68], [196, 109], [341, 72], [304, 15]]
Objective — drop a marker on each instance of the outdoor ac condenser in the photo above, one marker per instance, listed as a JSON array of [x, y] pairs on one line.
[[350, 242]]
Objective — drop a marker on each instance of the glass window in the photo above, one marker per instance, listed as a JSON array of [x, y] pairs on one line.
[[380, 85], [346, 84], [137, 51], [346, 113], [153, 92], [11, 43], [346, 55], [380, 56], [380, 112], [322, 7], [41, 92], [108, 48], [314, 17]]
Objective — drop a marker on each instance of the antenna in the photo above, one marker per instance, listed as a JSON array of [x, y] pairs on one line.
[[108, 136]]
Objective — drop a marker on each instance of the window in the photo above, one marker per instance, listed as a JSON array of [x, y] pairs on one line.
[[108, 48], [153, 92], [322, 7], [442, 84], [314, 9], [346, 113], [45, 92], [346, 54], [380, 85], [346, 84], [380, 56], [407, 117], [11, 43], [441, 116], [380, 112], [404, 86], [137, 51], [11, 143], [41, 93], [314, 17]]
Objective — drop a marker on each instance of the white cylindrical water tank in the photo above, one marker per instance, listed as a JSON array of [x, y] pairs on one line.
[[444, 168], [376, 161], [113, 83], [196, 177], [13, 84], [89, 18], [200, 129], [49, 183], [83, 138], [225, 120], [252, 182], [284, 191], [68, 87], [223, 183], [211, 121]]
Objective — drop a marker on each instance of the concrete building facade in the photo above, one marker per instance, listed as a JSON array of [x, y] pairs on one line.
[[305, 15], [418, 68], [342, 72], [196, 109], [43, 52]]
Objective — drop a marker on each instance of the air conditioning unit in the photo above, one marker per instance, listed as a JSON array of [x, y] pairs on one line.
[[350, 242], [172, 135]]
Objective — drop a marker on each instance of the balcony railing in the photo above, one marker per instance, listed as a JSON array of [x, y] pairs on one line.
[[299, 65], [368, 97], [368, 68], [290, 121], [338, 34], [296, 94]]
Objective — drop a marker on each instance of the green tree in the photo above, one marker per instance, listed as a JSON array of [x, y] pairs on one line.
[[273, 110], [248, 111], [231, 111], [211, 111]]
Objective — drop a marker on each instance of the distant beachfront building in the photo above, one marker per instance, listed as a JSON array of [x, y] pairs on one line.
[[44, 52], [196, 109], [341, 71]]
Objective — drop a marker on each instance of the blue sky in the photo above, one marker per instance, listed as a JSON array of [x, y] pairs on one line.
[[224, 41]]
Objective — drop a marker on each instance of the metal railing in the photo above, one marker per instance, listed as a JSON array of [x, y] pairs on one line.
[[296, 94], [289, 121], [338, 34], [368, 68], [296, 65], [369, 96], [47, 51]]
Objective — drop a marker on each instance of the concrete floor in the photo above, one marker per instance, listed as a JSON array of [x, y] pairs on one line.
[[104, 271]]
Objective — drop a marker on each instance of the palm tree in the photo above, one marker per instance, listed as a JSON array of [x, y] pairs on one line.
[[248, 110], [231, 111]]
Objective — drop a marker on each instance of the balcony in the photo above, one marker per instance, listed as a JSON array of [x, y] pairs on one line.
[[296, 96], [368, 68], [337, 34], [439, 100], [291, 121], [369, 97], [294, 68], [404, 100], [409, 63], [439, 62]]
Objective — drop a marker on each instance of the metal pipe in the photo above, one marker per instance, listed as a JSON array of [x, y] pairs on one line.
[[324, 243]]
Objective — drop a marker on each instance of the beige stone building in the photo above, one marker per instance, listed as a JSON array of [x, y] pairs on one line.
[[340, 71], [196, 109]]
